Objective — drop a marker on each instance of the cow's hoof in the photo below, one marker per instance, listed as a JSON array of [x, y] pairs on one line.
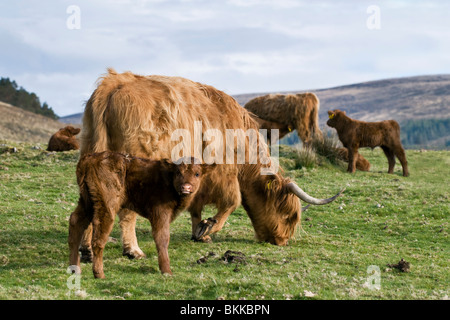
[[203, 228], [134, 254], [204, 239], [86, 255]]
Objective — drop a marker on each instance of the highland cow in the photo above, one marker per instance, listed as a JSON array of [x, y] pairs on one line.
[[139, 115], [290, 112], [355, 134], [64, 140], [157, 190]]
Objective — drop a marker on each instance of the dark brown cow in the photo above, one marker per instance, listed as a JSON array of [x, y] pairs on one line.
[[157, 190], [290, 112], [64, 140], [355, 134], [362, 163], [142, 115]]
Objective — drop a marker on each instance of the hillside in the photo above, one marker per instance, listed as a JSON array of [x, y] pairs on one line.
[[401, 99], [20, 125], [406, 100]]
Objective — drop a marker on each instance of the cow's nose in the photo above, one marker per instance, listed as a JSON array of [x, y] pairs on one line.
[[186, 188]]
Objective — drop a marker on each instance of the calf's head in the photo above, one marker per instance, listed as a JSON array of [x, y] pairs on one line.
[[334, 117], [69, 131], [187, 175]]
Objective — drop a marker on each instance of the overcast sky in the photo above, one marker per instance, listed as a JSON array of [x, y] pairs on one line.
[[238, 46]]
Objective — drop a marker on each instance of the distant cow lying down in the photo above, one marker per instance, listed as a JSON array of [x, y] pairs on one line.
[[64, 140], [355, 134], [109, 182], [362, 163]]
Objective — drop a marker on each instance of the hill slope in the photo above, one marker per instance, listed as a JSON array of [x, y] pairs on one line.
[[401, 99], [23, 126]]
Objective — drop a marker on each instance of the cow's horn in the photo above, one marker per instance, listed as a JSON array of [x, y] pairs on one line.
[[295, 189]]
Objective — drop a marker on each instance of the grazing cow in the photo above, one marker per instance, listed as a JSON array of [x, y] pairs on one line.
[[355, 134], [108, 181], [144, 115], [269, 125], [64, 140], [291, 112]]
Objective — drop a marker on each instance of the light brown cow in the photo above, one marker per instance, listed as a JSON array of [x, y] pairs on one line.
[[142, 115], [64, 140], [291, 112]]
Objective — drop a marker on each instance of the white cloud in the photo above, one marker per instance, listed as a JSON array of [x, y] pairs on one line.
[[239, 46]]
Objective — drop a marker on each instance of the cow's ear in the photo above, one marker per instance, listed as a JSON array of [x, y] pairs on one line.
[[206, 168]]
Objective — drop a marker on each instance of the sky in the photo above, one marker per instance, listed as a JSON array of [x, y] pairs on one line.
[[58, 49]]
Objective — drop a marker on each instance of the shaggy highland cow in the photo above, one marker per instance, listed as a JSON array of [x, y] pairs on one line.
[[142, 115], [355, 134], [291, 112], [64, 140], [109, 182]]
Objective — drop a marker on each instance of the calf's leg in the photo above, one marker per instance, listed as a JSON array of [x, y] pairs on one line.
[[352, 157], [78, 223], [400, 154], [103, 223], [391, 158], [161, 235]]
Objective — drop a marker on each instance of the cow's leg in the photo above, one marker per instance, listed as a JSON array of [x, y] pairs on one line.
[[127, 223], [352, 157], [161, 236], [78, 223], [390, 157], [86, 245], [196, 217], [225, 206], [102, 223], [400, 154]]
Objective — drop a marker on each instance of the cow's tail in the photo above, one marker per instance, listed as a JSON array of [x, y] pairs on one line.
[[94, 134]]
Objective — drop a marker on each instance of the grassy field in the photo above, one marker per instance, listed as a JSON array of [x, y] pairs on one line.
[[379, 220]]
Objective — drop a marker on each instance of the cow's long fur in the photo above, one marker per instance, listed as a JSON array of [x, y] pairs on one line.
[[138, 114], [355, 134], [292, 111]]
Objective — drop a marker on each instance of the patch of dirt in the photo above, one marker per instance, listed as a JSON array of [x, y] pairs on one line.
[[229, 256], [402, 265], [205, 258]]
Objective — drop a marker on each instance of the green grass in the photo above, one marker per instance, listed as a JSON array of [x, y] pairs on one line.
[[380, 219]]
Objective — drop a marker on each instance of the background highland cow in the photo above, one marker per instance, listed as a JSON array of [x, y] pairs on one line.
[[64, 140], [291, 112]]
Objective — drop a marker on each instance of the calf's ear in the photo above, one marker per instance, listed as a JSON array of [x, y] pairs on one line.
[[167, 165], [331, 114]]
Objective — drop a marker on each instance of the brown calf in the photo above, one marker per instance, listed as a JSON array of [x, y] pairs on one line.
[[355, 134], [109, 182], [64, 140]]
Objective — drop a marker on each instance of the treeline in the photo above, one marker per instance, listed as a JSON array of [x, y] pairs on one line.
[[415, 134], [425, 132], [11, 93]]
